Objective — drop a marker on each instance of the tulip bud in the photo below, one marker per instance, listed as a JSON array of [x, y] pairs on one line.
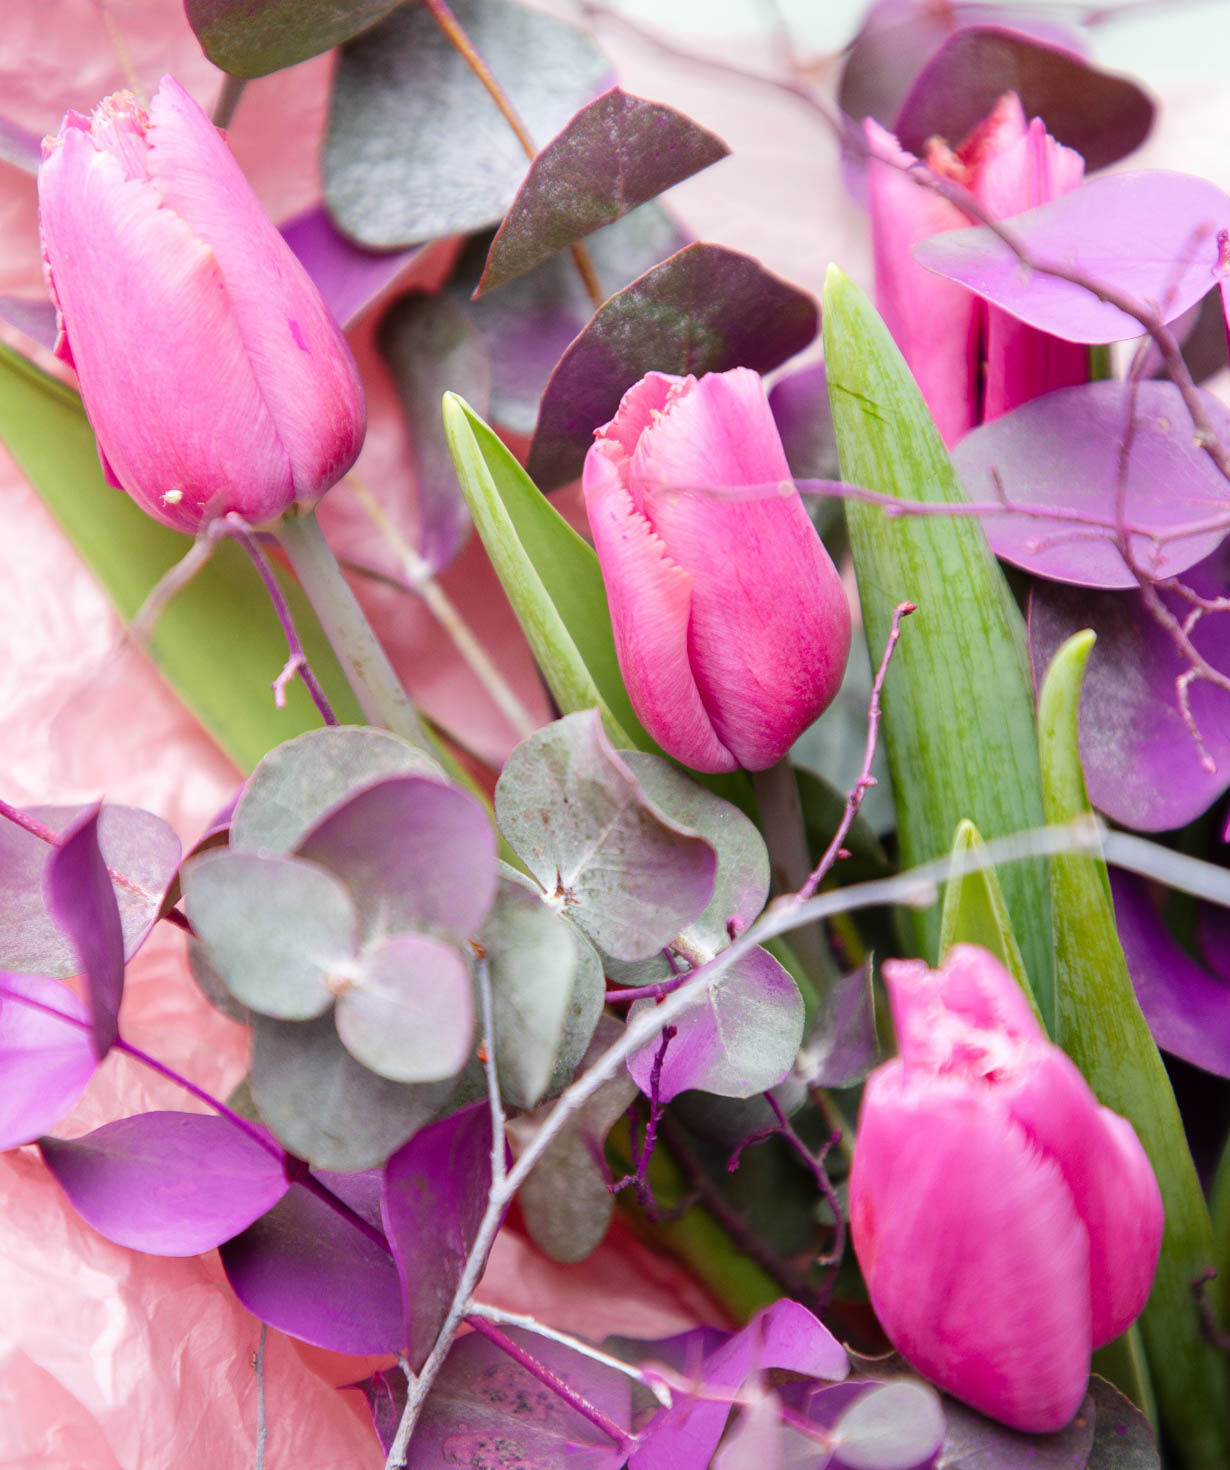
[[1005, 1222], [211, 370], [730, 620], [972, 361]]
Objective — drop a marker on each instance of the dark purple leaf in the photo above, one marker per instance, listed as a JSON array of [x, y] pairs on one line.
[[408, 1011], [1142, 764], [170, 1184], [1187, 1007], [704, 310], [898, 37], [800, 404], [348, 277], [432, 347], [82, 901], [737, 1040], [1150, 234], [250, 38], [487, 1410], [416, 149], [528, 324], [33, 315], [1101, 115], [971, 1440], [1122, 1439], [1065, 450], [309, 1270], [842, 1047], [139, 848], [1201, 333], [572, 810], [435, 1195], [326, 1107], [412, 851], [386, 1394], [616, 153], [45, 1063], [895, 1426]]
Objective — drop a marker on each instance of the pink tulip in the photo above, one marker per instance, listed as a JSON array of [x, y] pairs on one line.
[[730, 621], [211, 370], [1006, 1223], [972, 362]]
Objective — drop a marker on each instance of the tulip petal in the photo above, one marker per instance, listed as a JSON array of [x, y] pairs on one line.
[[974, 1256], [134, 284], [1108, 1175], [650, 598], [305, 371]]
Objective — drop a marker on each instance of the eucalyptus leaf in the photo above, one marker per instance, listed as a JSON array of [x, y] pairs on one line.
[[250, 38], [416, 149], [842, 1046], [1122, 1439], [958, 700], [601, 850], [280, 933], [1100, 1025]]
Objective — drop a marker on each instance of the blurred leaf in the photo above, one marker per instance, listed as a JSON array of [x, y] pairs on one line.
[[432, 348], [348, 277], [970, 1439], [823, 808], [616, 153], [1099, 1024], [219, 644], [958, 702], [549, 573], [250, 38], [19, 146], [896, 1426], [1122, 1438], [415, 148], [704, 310], [842, 1045], [33, 315]]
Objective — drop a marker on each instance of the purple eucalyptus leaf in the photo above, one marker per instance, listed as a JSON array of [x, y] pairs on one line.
[[33, 315], [170, 1184], [1122, 1439], [432, 347], [739, 1039], [756, 1438], [413, 851], [785, 1335], [45, 1062], [250, 38], [486, 1409], [1142, 763], [323, 1105], [1150, 234], [141, 851], [1066, 450], [626, 874], [386, 1392], [898, 37], [704, 310], [971, 1439], [618, 152], [1101, 115], [435, 1196], [528, 324], [311, 1271], [81, 899], [407, 1012], [741, 883], [842, 1046], [280, 934], [299, 781], [349, 278], [399, 165], [895, 1426], [800, 404], [1186, 1006]]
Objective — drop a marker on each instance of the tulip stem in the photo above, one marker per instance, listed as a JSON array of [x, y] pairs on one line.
[[363, 660], [781, 823]]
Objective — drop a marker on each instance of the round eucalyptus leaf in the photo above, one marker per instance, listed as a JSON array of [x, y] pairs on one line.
[[894, 1427], [278, 932], [298, 782], [409, 1013]]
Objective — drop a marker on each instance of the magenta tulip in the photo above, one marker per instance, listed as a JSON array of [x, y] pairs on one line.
[[973, 362], [730, 620], [211, 370], [1006, 1223]]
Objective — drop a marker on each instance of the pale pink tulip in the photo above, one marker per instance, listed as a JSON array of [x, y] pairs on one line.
[[211, 370], [730, 621], [972, 362], [1006, 1223]]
